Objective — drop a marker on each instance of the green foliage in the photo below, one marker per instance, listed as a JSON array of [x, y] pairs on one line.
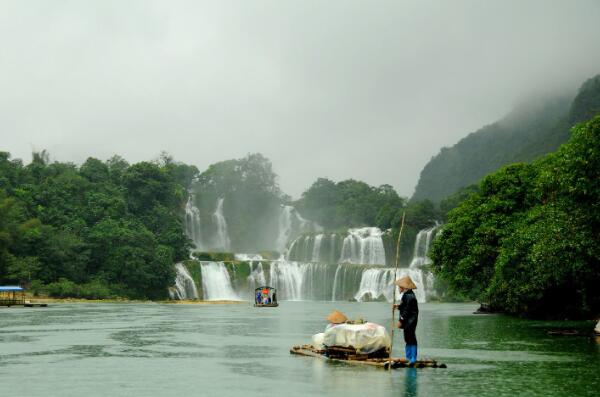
[[214, 256], [64, 288], [102, 229], [452, 201], [350, 203], [526, 241], [530, 131], [252, 199]]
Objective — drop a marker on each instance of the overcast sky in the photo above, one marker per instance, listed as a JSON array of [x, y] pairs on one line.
[[369, 90]]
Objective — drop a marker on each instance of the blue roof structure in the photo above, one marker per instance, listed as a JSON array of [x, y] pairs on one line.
[[10, 288]]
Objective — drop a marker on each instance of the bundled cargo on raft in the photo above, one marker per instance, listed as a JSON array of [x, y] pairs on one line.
[[356, 342], [358, 339]]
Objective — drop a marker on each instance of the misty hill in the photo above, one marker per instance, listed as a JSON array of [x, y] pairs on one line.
[[529, 131]]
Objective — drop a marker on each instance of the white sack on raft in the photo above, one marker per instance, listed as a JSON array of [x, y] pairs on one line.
[[317, 341], [365, 338]]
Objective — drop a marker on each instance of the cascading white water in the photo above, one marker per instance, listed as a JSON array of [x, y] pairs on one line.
[[300, 281], [185, 288], [216, 283], [361, 277], [422, 246], [248, 257], [363, 246], [287, 277], [257, 276], [316, 252], [291, 225], [221, 238], [285, 227], [192, 222], [378, 282]]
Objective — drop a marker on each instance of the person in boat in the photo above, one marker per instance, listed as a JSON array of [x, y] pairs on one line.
[[265, 296], [335, 318], [258, 295], [409, 314]]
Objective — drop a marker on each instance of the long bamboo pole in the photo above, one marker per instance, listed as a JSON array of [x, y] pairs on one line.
[[394, 286]]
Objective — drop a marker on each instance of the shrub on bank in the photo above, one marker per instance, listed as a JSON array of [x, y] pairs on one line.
[[63, 288]]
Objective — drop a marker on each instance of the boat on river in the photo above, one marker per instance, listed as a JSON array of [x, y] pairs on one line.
[[265, 296], [349, 356]]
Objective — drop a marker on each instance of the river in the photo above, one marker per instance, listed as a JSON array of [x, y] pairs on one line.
[[136, 349]]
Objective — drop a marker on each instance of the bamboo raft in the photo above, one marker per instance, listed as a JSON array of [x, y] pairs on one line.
[[349, 355]]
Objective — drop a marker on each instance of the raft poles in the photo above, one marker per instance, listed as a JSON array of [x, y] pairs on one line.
[[394, 286]]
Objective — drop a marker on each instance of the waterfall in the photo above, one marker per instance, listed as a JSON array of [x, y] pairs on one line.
[[257, 276], [316, 251], [355, 274], [422, 246], [379, 282], [287, 277], [346, 280], [221, 238], [192, 222], [185, 288], [301, 281], [291, 225], [285, 227], [248, 257], [363, 246], [358, 246], [216, 283], [375, 283]]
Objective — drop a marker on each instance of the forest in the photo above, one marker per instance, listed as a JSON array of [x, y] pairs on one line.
[[525, 241], [531, 130], [114, 229], [100, 230]]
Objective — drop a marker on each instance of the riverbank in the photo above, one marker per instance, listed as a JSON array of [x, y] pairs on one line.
[[51, 300]]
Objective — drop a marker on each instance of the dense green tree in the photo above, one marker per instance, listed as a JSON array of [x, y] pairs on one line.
[[98, 230], [251, 199], [527, 240], [350, 203]]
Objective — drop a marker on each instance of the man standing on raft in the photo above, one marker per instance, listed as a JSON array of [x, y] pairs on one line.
[[409, 314]]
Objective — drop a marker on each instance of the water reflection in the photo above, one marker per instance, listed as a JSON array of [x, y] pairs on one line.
[[410, 382]]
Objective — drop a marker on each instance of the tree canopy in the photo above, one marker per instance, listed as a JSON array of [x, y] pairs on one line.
[[526, 241], [101, 229], [251, 199]]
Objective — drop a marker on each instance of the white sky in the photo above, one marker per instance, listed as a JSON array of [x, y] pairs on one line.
[[369, 90]]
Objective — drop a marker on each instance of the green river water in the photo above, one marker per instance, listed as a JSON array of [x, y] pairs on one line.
[[238, 350]]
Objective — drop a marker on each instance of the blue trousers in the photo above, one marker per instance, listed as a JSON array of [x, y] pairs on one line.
[[411, 353]]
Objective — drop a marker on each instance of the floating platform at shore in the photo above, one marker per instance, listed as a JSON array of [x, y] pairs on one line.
[[310, 351]]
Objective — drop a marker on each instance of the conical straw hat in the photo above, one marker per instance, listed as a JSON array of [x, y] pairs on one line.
[[336, 317], [406, 282]]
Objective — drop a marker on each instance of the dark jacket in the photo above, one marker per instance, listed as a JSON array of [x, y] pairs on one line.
[[409, 314]]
